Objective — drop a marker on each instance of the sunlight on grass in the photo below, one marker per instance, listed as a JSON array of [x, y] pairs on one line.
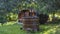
[[0, 24], [51, 31], [10, 23]]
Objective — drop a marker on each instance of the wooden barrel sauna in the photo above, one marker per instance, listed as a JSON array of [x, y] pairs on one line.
[[30, 23]]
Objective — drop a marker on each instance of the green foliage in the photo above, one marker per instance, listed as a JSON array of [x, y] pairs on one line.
[[12, 17], [13, 6]]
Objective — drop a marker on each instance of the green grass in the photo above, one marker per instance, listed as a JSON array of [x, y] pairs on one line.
[[44, 29]]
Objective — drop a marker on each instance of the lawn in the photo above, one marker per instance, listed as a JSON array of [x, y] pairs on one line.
[[44, 29]]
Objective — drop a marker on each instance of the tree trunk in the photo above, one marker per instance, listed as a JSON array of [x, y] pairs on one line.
[[53, 18]]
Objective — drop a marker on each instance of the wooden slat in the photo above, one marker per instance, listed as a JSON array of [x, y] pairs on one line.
[[29, 22]]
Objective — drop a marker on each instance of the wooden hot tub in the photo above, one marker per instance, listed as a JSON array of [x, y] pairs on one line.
[[30, 23]]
